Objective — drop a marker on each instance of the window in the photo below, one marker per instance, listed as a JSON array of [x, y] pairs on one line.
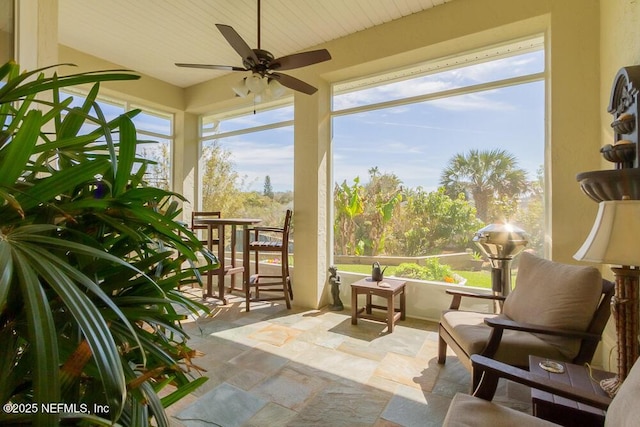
[[425, 157], [246, 166], [155, 136], [155, 131]]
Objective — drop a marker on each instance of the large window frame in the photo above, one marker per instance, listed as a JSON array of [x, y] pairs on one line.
[[494, 52], [247, 121]]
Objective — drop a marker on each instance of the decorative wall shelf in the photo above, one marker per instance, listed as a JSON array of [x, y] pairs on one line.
[[624, 179], [611, 184]]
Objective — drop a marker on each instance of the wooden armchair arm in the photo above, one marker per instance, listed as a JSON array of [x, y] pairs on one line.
[[502, 323], [498, 326], [457, 297], [492, 370]]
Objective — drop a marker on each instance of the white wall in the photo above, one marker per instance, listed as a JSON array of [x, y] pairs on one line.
[[619, 47]]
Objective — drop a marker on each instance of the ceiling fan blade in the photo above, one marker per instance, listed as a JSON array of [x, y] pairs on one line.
[[212, 67], [293, 83], [298, 60], [237, 43]]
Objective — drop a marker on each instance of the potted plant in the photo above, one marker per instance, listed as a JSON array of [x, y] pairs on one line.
[[90, 263]]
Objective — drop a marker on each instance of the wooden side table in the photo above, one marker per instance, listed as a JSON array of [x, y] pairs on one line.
[[369, 287], [565, 411]]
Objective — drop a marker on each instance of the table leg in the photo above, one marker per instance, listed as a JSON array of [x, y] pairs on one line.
[[391, 312], [233, 256], [354, 306], [246, 274], [403, 304], [368, 306], [221, 259], [208, 291]]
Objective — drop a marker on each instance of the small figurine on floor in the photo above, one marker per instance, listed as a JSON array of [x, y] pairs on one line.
[[334, 279]]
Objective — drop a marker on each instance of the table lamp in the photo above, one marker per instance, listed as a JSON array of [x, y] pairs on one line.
[[615, 239]]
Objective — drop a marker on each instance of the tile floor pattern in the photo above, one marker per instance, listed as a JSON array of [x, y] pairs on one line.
[[278, 367]]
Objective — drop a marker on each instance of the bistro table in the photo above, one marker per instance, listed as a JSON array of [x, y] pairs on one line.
[[220, 224]]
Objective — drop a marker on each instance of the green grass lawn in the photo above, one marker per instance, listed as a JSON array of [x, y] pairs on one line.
[[480, 279]]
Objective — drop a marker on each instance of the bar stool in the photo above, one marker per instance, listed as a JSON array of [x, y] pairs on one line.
[[270, 240]]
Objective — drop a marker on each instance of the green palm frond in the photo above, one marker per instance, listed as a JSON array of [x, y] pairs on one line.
[[91, 260]]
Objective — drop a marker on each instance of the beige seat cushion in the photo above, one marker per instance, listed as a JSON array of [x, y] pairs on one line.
[[470, 332], [469, 411], [555, 295]]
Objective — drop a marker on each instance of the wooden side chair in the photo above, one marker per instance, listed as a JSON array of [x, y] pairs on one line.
[[556, 310], [195, 215], [273, 240]]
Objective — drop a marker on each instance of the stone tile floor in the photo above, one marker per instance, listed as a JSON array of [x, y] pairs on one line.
[[300, 367]]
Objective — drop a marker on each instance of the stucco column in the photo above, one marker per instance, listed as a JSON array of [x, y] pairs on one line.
[[185, 157], [36, 33], [311, 195], [573, 109]]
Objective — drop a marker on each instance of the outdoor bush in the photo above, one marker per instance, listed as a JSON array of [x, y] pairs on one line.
[[432, 270]]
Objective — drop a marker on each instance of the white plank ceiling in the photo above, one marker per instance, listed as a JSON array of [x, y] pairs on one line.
[[149, 36]]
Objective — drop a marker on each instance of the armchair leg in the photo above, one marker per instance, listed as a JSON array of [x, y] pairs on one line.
[[487, 385], [442, 350], [476, 378]]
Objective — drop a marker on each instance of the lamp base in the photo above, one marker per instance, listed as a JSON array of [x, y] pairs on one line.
[[624, 308]]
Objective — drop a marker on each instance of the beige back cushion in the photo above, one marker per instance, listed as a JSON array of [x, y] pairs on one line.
[[554, 295]]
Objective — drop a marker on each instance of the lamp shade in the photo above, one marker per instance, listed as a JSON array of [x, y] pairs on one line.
[[277, 90], [256, 83], [615, 236], [240, 88]]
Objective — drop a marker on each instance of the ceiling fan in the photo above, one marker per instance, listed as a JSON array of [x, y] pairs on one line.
[[263, 64]]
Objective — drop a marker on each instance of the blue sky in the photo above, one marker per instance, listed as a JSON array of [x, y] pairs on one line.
[[413, 141], [416, 142]]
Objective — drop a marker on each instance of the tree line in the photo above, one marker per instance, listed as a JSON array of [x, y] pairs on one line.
[[382, 216], [476, 188]]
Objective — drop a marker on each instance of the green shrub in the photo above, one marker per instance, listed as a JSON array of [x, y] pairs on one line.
[[432, 270]]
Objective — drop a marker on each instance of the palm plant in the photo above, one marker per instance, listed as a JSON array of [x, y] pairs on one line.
[[486, 175], [91, 260]]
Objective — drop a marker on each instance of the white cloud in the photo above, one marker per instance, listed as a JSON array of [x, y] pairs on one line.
[[472, 101]]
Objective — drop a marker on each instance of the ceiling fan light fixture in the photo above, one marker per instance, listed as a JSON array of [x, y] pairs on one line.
[[266, 79], [240, 88], [256, 83], [277, 90]]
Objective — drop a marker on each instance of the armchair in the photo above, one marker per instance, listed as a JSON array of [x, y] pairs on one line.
[[478, 410], [556, 311]]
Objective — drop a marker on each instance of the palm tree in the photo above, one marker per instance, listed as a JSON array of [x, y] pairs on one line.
[[485, 175]]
